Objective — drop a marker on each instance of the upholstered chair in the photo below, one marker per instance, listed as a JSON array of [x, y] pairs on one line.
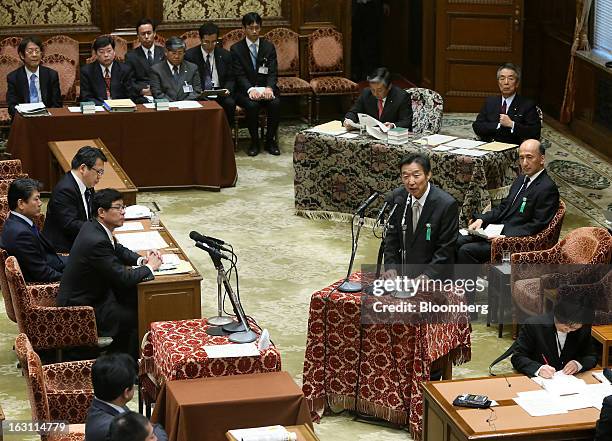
[[59, 391], [67, 72], [191, 39], [592, 285], [9, 45], [231, 37], [543, 240], [63, 45], [8, 63], [121, 48], [427, 110], [326, 66], [531, 270], [11, 168]]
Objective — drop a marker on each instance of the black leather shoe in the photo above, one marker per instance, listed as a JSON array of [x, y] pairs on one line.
[[272, 148], [253, 149]]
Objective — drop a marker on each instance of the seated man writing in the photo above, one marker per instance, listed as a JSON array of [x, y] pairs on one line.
[[382, 100], [557, 341]]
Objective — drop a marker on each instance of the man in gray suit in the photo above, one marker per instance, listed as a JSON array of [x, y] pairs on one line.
[[175, 79]]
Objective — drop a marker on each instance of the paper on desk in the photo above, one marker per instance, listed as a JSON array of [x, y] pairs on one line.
[[370, 121], [443, 148], [596, 393], [561, 384], [376, 132], [348, 135], [146, 240], [464, 143], [171, 259], [28, 107], [185, 104], [333, 128], [149, 105], [232, 350], [137, 212], [435, 140], [77, 109], [496, 146], [469, 152], [537, 406], [130, 226], [168, 269]]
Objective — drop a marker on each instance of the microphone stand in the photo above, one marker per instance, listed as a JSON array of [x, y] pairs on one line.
[[381, 248], [219, 320], [347, 285], [403, 294]]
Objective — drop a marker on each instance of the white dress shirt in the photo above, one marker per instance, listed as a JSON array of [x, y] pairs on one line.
[[82, 189], [25, 218], [213, 67], [508, 103]]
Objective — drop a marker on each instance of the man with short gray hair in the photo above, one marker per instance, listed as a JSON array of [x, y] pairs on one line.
[[382, 100], [175, 79], [510, 117]]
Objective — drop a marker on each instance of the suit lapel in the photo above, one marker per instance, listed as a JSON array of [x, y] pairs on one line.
[[81, 208], [247, 53], [158, 54], [550, 339], [23, 79], [219, 66], [513, 110], [99, 80], [388, 103], [44, 82], [426, 212]]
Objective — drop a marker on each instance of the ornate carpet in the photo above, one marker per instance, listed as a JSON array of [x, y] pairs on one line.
[[284, 258]]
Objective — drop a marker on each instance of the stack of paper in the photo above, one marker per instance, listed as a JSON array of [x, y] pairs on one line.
[[137, 212], [496, 146], [32, 109], [398, 136], [333, 128], [123, 105], [464, 143], [561, 384], [435, 140], [147, 240], [469, 152]]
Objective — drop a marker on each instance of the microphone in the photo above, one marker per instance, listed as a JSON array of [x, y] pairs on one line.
[[212, 241], [212, 251], [408, 202], [381, 212], [391, 213], [367, 203]]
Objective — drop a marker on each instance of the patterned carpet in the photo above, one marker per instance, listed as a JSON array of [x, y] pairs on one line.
[[284, 258]]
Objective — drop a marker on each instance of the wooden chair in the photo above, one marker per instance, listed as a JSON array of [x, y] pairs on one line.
[[191, 38], [286, 43], [326, 64], [67, 71], [9, 46], [63, 45], [231, 37], [8, 64]]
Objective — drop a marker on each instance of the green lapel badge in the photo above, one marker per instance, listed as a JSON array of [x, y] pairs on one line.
[[428, 234], [522, 209]]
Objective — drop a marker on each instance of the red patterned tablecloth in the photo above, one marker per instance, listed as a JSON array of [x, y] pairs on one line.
[[174, 350], [392, 359]]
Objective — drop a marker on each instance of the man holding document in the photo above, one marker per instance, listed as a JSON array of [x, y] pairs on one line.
[[529, 207], [383, 101], [96, 274]]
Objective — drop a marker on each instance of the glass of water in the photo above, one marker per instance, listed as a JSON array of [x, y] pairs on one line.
[[155, 219], [506, 256]]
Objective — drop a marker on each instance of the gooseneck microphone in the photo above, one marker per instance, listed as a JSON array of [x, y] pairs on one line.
[[367, 203], [212, 241], [214, 251]]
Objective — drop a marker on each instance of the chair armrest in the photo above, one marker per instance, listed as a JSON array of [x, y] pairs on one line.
[[520, 244], [69, 375], [62, 327], [43, 294]]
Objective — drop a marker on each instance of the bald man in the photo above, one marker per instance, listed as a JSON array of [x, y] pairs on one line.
[[528, 209]]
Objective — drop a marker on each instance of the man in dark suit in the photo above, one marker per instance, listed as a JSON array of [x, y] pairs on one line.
[[528, 209], [107, 78], [215, 67], [557, 341], [431, 220], [131, 426], [113, 377], [508, 118], [21, 238], [175, 79], [99, 273], [70, 203], [255, 69], [32, 83], [387, 103], [603, 430], [143, 57]]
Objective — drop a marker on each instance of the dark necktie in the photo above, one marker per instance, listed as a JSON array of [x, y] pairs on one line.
[[175, 71], [88, 193], [521, 190], [34, 229], [150, 57], [504, 107], [208, 85], [107, 82], [253, 51], [33, 90], [380, 108]]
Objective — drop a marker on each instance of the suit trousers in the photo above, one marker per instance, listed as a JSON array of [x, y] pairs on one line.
[[229, 106], [473, 250], [252, 109]]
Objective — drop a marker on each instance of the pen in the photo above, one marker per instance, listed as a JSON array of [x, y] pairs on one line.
[[545, 360]]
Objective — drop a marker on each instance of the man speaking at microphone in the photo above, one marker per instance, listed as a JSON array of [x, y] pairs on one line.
[[430, 219]]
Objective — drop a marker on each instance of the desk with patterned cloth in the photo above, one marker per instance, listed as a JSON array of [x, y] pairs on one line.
[[387, 362], [333, 175], [174, 350]]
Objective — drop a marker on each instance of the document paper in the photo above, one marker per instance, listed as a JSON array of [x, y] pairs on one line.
[[146, 240], [561, 384], [232, 350]]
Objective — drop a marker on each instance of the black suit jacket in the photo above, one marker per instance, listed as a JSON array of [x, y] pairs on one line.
[[99, 418], [140, 66], [36, 257], [522, 111], [223, 63], [65, 214], [537, 339], [18, 88], [441, 213], [122, 86], [397, 108], [246, 76], [542, 203], [603, 431], [96, 275]]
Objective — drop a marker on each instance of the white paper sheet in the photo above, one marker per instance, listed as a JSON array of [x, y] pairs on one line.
[[443, 148], [171, 259], [435, 140], [469, 152], [375, 132], [537, 406], [348, 135], [185, 104], [561, 384], [232, 350], [464, 143], [77, 109], [333, 128], [130, 226], [137, 212], [149, 105], [146, 240], [28, 107]]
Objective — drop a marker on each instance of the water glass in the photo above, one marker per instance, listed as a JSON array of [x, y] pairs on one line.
[[154, 219], [506, 257]]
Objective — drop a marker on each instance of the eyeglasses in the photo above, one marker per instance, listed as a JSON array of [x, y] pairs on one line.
[[253, 27], [117, 207], [209, 43], [99, 171], [32, 51]]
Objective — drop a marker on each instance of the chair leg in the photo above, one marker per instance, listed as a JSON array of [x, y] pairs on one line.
[[59, 355], [317, 108], [140, 400], [235, 134], [309, 101]]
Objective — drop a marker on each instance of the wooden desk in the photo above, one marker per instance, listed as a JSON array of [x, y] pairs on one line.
[[443, 421], [603, 334], [62, 152], [304, 433], [167, 297]]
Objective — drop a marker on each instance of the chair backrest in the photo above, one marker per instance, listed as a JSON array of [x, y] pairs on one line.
[[158, 41], [231, 37], [66, 69], [22, 303], [287, 45], [8, 64], [9, 46], [427, 110], [4, 212], [550, 235], [6, 292], [325, 52], [63, 45], [191, 38], [586, 245], [121, 48], [10, 168]]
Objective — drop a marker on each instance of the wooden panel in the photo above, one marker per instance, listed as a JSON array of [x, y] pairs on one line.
[[434, 425], [480, 32]]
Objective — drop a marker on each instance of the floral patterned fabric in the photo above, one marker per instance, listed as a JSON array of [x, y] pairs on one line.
[[325, 53], [4, 116], [6, 293], [9, 45], [333, 175], [174, 350], [63, 45], [293, 86], [286, 44], [333, 86], [10, 168], [191, 38], [385, 363], [427, 110], [66, 69], [8, 64], [231, 37], [48, 327]]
